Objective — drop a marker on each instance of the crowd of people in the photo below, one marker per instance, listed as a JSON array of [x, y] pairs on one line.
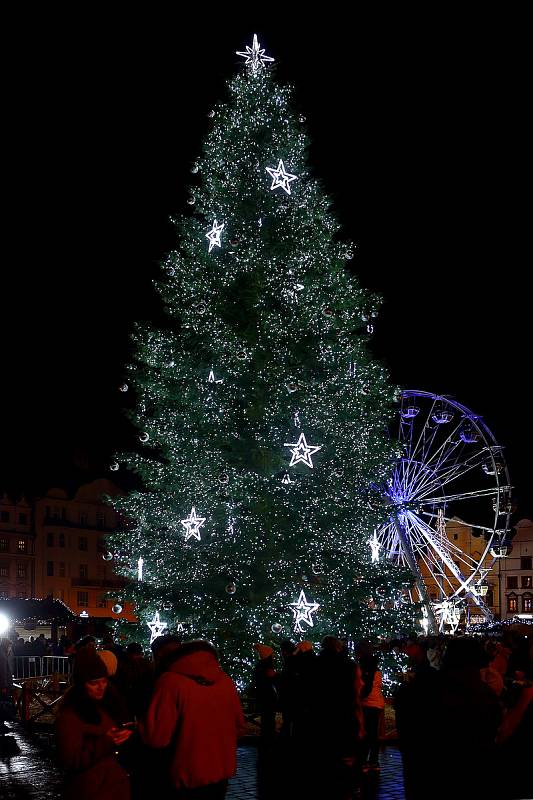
[[168, 726]]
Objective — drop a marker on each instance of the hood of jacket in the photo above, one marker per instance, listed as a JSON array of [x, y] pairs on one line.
[[200, 666]]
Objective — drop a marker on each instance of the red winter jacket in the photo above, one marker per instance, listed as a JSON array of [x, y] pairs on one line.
[[195, 705]]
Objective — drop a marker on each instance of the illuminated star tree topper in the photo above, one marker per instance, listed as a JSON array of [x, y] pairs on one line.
[[254, 55], [302, 611]]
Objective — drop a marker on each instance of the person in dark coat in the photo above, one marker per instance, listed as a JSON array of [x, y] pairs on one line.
[[88, 732], [338, 725], [265, 692]]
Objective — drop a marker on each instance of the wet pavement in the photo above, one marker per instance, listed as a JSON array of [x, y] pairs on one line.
[[31, 773]]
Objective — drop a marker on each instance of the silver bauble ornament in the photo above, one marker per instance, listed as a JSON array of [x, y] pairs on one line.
[[123, 387], [276, 628], [107, 556], [114, 466], [231, 588], [117, 608], [144, 437]]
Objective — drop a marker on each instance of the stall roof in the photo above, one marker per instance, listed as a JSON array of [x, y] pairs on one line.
[[32, 609]]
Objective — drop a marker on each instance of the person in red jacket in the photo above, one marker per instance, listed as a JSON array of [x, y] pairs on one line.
[[195, 709]]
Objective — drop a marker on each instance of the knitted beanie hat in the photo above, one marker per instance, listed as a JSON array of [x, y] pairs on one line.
[[88, 666], [264, 650], [110, 660]]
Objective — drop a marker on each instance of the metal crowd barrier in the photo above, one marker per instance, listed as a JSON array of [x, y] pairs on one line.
[[40, 666]]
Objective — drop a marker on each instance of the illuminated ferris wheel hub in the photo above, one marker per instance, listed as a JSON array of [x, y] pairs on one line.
[[451, 476]]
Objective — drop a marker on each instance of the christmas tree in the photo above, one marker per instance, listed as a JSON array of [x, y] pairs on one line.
[[262, 415]]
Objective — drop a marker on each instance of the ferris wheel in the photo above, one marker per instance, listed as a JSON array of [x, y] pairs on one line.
[[450, 504]]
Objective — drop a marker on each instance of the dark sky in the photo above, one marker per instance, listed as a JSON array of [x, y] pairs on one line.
[[418, 131]]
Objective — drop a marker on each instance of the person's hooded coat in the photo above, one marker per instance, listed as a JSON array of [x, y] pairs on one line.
[[196, 710]]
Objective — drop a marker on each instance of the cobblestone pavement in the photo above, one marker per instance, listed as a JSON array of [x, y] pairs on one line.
[[31, 773]]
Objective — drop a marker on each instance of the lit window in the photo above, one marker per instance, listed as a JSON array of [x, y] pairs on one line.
[[4, 570], [512, 604], [527, 582], [4, 545], [21, 570], [527, 603], [22, 546]]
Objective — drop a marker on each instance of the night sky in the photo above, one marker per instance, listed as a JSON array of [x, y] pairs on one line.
[[418, 134]]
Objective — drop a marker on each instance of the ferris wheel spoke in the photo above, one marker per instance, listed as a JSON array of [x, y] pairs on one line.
[[448, 498], [457, 521], [453, 474], [441, 552], [424, 427]]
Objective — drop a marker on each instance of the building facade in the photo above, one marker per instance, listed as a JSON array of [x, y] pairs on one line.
[[516, 574], [70, 544], [17, 549]]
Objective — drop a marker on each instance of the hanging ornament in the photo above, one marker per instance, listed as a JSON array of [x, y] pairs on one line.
[[241, 355], [192, 525], [375, 546], [190, 201], [223, 478], [287, 479], [365, 390], [348, 255], [123, 387], [254, 55], [302, 611], [301, 118], [212, 379], [276, 628], [156, 627], [280, 178], [107, 556], [144, 437], [231, 588], [140, 564], [291, 387], [317, 569], [114, 466], [201, 308], [234, 242], [211, 114], [297, 419], [302, 452], [214, 235], [117, 608], [194, 169], [328, 312], [370, 328]]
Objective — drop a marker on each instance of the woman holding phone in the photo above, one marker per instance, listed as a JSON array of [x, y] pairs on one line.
[[90, 728]]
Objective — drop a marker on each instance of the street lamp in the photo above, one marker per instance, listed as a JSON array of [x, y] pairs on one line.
[[4, 624]]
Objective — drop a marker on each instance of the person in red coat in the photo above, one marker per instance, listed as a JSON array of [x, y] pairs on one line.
[[88, 732], [195, 709]]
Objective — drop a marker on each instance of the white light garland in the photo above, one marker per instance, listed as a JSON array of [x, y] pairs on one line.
[[192, 525], [302, 452], [254, 55], [302, 611], [156, 627], [281, 178], [214, 235]]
